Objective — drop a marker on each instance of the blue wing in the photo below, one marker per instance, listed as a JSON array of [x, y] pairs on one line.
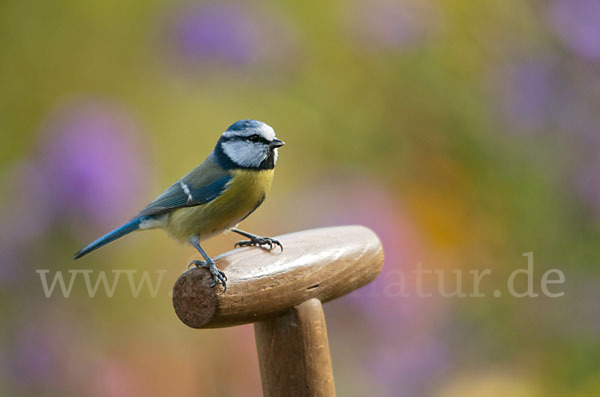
[[185, 194]]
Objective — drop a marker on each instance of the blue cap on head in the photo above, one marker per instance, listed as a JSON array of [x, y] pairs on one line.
[[247, 128], [244, 124]]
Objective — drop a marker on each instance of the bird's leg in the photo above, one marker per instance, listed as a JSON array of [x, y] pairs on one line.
[[263, 242], [218, 276]]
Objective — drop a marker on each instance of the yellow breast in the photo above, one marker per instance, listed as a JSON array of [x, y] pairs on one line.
[[245, 192]]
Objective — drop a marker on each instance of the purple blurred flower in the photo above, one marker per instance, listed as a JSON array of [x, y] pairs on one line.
[[588, 312], [36, 358], [88, 166], [8, 263], [368, 204], [42, 347], [529, 91], [392, 24], [538, 94], [91, 163], [577, 24], [407, 370], [224, 33], [39, 350]]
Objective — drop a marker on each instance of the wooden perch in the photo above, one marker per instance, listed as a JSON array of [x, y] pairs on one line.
[[281, 292], [321, 263]]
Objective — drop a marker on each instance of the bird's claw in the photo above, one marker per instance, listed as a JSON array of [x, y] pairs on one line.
[[197, 263], [218, 275], [260, 242]]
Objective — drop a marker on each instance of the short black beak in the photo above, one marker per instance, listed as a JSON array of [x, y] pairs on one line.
[[275, 143]]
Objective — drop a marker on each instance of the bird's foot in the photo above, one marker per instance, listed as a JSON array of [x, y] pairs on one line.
[[218, 276], [263, 242]]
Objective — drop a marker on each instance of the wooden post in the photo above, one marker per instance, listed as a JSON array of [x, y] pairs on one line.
[[281, 292], [293, 352]]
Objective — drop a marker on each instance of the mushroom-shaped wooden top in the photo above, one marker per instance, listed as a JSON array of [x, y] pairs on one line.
[[320, 263]]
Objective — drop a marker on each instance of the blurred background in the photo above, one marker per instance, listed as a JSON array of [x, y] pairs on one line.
[[464, 133]]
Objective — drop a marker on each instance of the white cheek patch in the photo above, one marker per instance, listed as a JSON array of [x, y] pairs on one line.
[[245, 154]]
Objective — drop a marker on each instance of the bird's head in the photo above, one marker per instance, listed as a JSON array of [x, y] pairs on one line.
[[248, 144]]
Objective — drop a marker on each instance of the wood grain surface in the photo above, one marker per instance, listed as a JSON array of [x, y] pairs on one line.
[[320, 263], [293, 352]]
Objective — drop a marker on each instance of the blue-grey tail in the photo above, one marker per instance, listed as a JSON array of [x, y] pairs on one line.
[[127, 228]]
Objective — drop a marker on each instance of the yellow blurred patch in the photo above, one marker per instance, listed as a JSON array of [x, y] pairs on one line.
[[490, 385]]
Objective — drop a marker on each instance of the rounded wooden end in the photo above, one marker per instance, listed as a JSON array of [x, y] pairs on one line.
[[194, 301]]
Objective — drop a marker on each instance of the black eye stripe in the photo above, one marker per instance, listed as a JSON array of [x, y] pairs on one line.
[[250, 138], [255, 138]]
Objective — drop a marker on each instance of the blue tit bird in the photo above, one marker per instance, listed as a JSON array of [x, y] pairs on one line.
[[215, 196]]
